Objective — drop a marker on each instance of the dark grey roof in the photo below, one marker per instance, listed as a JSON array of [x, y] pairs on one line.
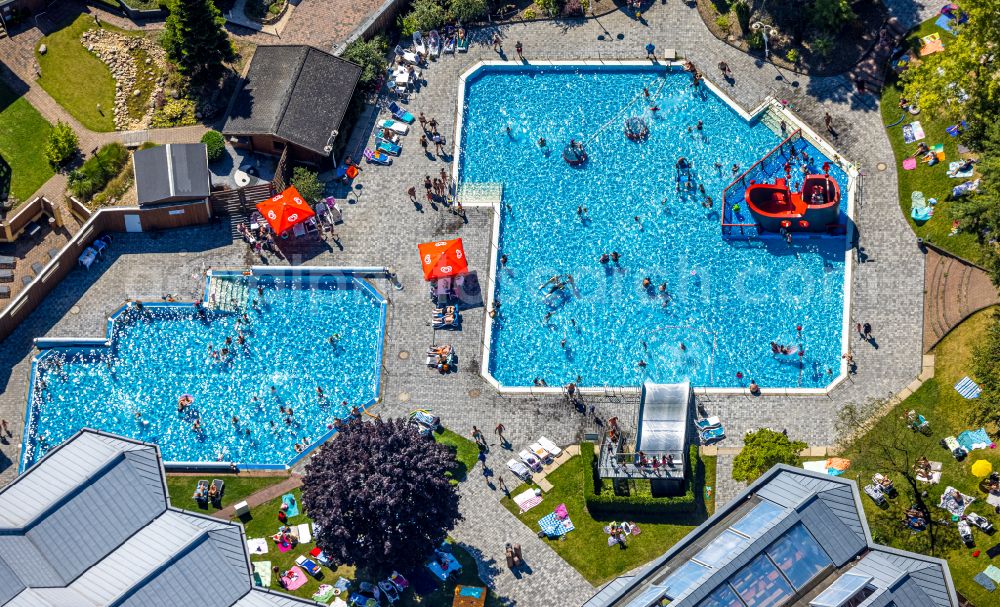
[[830, 509], [89, 525], [297, 93], [172, 172]]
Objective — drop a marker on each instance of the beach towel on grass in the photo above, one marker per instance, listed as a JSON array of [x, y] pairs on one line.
[[968, 388], [262, 573], [952, 505], [257, 545], [909, 164], [553, 527], [527, 500], [293, 505], [974, 439], [913, 132], [993, 572], [303, 532], [323, 594], [954, 173], [984, 580], [295, 578], [964, 188]]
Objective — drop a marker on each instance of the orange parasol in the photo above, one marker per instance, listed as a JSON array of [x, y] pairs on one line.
[[443, 258]]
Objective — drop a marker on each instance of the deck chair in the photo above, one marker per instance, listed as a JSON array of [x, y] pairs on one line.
[[406, 55], [220, 488], [549, 446]]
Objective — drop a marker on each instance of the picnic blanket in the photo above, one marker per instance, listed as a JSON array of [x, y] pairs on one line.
[[294, 578], [993, 572], [527, 500], [553, 527], [257, 545], [944, 22], [964, 188], [913, 132], [968, 388], [954, 173], [974, 439], [931, 44], [438, 570], [262, 573], [303, 532], [293, 506], [984, 580], [909, 164], [953, 505], [835, 466], [935, 155]]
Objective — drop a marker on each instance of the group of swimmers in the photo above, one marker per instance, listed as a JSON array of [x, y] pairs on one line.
[[777, 348]]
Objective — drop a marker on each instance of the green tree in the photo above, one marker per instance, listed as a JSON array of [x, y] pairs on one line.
[[761, 451], [831, 15], [467, 10], [308, 184], [979, 212], [962, 81], [370, 55], [62, 144], [216, 145], [425, 15], [195, 40]]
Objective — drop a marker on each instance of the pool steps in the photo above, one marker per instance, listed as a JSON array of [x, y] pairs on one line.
[[227, 295]]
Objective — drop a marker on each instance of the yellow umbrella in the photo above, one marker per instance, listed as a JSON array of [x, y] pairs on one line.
[[982, 468]]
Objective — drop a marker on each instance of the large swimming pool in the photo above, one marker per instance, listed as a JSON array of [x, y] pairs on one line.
[[725, 300], [265, 346]]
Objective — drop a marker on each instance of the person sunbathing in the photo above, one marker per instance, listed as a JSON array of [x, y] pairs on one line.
[[213, 491], [922, 148]]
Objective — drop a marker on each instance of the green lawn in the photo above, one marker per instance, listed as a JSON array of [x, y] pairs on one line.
[[264, 523], [933, 181], [76, 78], [938, 401], [23, 132], [238, 487], [466, 452], [586, 547]]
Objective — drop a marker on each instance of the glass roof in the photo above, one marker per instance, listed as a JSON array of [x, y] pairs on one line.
[[760, 584], [723, 596], [684, 577], [763, 515], [650, 596], [798, 556], [722, 549], [842, 589]]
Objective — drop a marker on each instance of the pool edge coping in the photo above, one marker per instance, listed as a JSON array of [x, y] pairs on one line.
[[769, 104], [358, 275]]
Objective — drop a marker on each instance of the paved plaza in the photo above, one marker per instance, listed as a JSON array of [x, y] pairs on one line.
[[382, 228]]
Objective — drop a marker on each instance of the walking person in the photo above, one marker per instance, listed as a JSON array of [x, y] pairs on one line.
[[412, 193], [497, 43], [433, 123], [423, 142], [519, 48], [438, 143], [867, 331], [503, 486], [477, 434], [499, 430], [444, 176], [423, 122], [6, 429], [828, 121]]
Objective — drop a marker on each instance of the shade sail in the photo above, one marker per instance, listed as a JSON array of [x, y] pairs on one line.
[[443, 258], [285, 210]]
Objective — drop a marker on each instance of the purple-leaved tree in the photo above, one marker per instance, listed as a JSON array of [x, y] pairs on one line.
[[379, 496]]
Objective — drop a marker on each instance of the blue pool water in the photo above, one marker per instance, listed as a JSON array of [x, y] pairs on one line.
[[163, 352], [728, 299]]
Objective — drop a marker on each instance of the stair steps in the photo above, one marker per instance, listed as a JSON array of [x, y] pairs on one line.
[[227, 294]]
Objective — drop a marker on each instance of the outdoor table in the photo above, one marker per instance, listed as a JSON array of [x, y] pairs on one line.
[[87, 258], [99, 245]]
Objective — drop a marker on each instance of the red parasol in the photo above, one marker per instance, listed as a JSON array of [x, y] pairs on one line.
[[443, 258], [285, 210]]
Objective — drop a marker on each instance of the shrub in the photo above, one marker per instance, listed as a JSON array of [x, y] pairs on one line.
[[370, 55], [116, 188], [755, 40], [530, 13], [792, 55], [742, 11], [216, 145], [62, 144], [98, 170], [175, 112], [763, 449], [308, 184], [550, 7], [822, 46], [467, 10], [599, 500], [722, 22], [425, 15], [831, 16], [572, 8]]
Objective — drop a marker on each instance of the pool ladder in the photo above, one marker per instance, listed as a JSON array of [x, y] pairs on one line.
[[227, 294]]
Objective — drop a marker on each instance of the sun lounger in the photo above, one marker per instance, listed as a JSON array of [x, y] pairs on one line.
[[519, 470], [303, 532], [4, 292], [52, 253], [311, 567], [406, 55], [549, 446], [321, 557], [875, 492], [713, 434], [400, 114], [201, 491], [540, 452], [418, 43], [388, 147], [220, 489], [394, 125], [434, 44], [6, 261], [707, 423], [449, 45], [530, 460], [377, 157]]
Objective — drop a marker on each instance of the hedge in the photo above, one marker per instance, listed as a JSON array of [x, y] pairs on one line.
[[601, 502]]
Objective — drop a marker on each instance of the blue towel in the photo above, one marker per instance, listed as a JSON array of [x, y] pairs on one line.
[[968, 388], [974, 439], [921, 214], [553, 527], [944, 22], [983, 580], [293, 506]]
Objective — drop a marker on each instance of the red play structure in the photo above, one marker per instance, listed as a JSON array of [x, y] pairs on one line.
[[812, 209]]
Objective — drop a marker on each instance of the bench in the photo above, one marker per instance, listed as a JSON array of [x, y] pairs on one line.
[[6, 261], [37, 268], [33, 229], [4, 292], [26, 280], [6, 276], [53, 253]]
